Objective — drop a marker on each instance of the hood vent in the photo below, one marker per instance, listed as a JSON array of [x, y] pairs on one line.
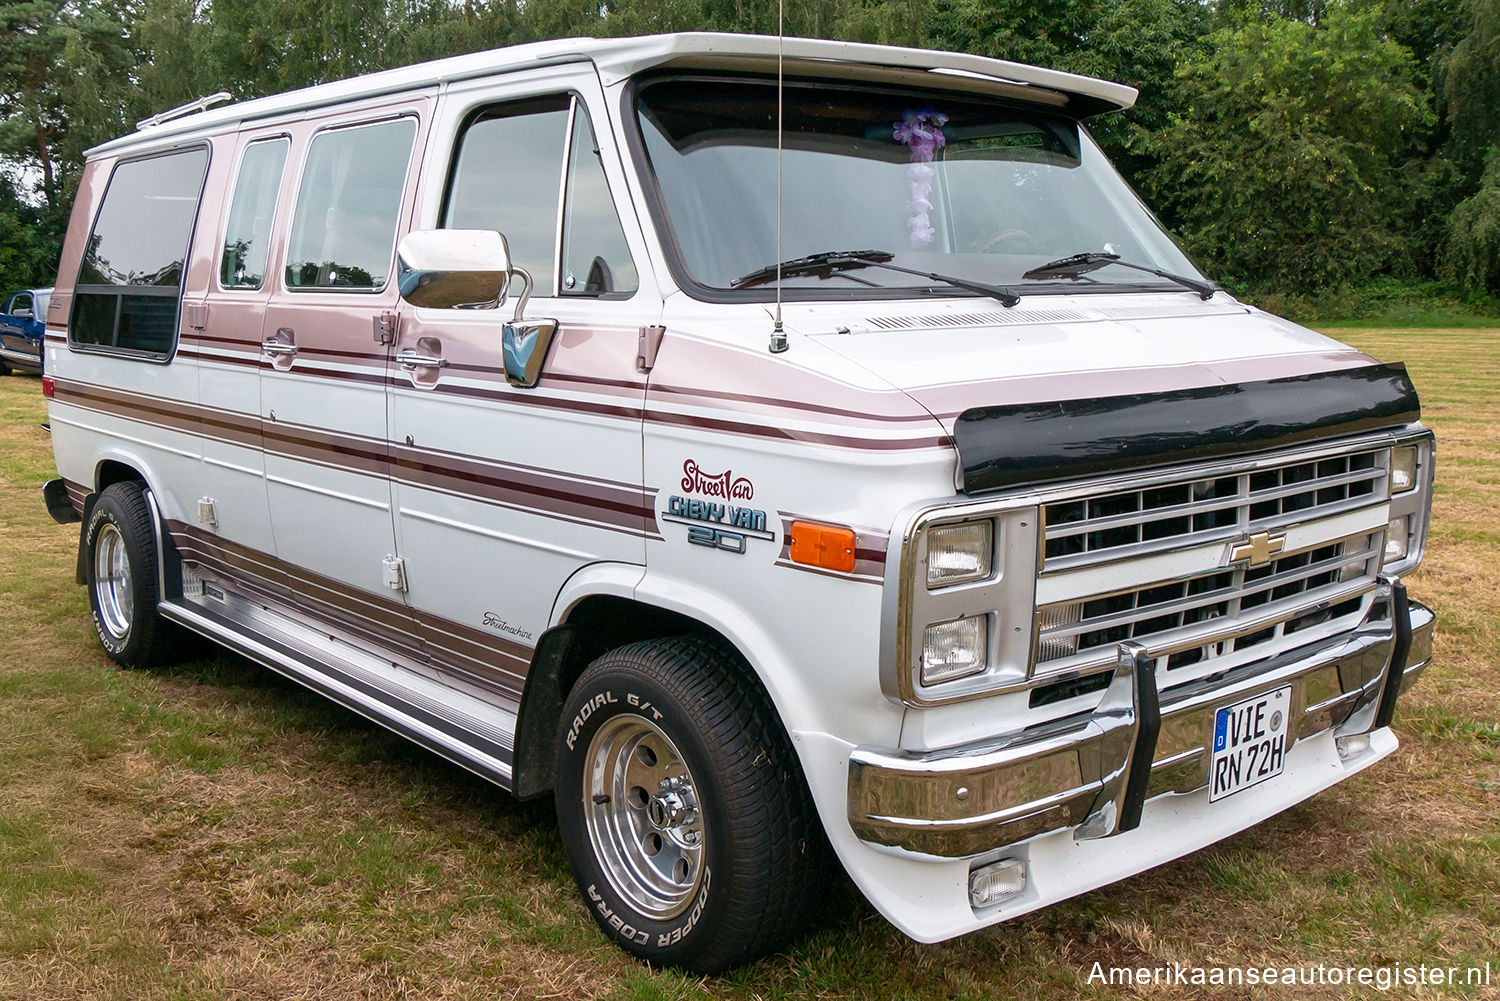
[[1022, 316]]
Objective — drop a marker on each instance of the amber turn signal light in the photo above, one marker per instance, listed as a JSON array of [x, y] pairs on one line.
[[828, 546]]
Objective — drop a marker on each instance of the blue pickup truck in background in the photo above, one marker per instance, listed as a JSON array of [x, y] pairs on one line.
[[21, 324]]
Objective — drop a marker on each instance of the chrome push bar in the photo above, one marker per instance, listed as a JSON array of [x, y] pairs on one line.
[[1095, 772]]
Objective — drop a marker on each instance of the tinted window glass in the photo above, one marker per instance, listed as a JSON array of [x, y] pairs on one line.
[[22, 300], [141, 234], [247, 237], [596, 259], [506, 176], [344, 226], [131, 275]]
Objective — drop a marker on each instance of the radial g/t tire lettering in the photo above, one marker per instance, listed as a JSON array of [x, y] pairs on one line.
[[683, 807]]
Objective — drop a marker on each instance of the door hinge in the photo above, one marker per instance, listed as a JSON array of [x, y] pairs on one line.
[[394, 568], [385, 327], [647, 347], [206, 513]]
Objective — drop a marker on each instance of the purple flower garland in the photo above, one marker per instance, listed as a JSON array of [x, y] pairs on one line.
[[922, 132]]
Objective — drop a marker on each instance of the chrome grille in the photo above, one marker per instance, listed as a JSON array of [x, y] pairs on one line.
[[1190, 511], [1213, 614]]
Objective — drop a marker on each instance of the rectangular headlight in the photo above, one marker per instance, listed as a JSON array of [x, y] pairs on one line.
[[956, 649], [957, 554], [1403, 468], [1397, 539]]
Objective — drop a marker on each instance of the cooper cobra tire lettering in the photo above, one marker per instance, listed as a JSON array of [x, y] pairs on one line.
[[733, 860]]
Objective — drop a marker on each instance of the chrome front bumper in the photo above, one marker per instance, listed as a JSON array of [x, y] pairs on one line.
[[1095, 772]]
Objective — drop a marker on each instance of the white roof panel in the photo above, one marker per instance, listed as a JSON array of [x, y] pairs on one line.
[[619, 58]]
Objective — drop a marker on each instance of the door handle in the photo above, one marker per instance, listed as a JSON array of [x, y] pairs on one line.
[[282, 345], [415, 359]]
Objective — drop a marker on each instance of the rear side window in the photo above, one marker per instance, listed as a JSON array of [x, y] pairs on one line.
[[344, 225], [130, 281], [242, 264]]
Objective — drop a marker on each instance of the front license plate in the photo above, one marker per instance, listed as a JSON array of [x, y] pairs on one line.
[[1249, 743]]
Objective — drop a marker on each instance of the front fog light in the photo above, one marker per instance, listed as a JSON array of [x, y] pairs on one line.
[[957, 554], [1403, 468], [1395, 540], [956, 649], [992, 883]]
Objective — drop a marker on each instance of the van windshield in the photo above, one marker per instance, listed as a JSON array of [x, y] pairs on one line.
[[951, 183]]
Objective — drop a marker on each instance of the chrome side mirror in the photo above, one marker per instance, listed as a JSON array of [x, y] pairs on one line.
[[471, 269], [524, 343], [453, 268], [22, 314]]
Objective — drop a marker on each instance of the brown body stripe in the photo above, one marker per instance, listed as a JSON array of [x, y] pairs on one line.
[[377, 623], [597, 503]]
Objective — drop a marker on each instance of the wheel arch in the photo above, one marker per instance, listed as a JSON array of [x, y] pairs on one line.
[[124, 467], [589, 621]]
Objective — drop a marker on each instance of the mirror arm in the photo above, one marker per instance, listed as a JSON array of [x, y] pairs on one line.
[[526, 286]]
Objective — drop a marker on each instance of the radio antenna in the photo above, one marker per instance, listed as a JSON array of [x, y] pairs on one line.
[[778, 334]]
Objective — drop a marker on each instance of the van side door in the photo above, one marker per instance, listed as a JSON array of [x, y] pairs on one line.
[[503, 491], [225, 317], [324, 369]]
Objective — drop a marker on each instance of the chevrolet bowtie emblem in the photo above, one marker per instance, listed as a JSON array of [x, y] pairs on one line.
[[1256, 550]]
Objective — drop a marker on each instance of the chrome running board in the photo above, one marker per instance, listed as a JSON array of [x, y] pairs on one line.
[[467, 731]]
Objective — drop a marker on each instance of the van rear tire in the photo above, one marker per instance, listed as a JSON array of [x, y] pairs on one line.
[[120, 554], [683, 807]]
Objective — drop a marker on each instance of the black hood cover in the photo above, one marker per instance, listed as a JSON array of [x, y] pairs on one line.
[[1037, 442]]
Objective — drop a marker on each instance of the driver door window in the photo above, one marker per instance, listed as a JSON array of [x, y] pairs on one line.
[[531, 170]]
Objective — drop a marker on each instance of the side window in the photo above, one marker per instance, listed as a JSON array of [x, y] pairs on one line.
[[242, 264], [20, 302], [507, 176], [596, 259], [344, 226], [131, 278]]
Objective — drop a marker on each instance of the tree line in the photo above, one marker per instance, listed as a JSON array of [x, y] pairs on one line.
[[1293, 146]]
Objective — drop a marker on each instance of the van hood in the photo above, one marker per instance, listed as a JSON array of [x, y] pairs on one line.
[[956, 355], [1069, 389]]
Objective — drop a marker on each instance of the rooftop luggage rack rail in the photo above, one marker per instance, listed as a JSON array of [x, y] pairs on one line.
[[201, 104]]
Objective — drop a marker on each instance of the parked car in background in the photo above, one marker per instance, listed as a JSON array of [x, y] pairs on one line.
[[21, 325]]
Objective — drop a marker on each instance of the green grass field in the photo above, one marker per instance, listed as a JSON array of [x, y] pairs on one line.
[[212, 831]]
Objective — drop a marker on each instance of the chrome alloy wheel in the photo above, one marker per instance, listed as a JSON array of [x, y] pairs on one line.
[[643, 816], [112, 585]]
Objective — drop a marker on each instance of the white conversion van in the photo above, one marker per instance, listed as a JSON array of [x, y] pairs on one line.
[[981, 543]]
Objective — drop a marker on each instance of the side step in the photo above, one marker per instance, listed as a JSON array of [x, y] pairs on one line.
[[465, 730]]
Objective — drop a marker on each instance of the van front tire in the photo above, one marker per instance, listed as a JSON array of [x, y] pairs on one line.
[[683, 807], [120, 549]]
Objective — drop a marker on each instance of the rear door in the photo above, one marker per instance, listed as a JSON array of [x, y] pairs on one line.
[[503, 492], [324, 369]]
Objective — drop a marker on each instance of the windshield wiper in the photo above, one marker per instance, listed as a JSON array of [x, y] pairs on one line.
[[1081, 264], [834, 261]]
